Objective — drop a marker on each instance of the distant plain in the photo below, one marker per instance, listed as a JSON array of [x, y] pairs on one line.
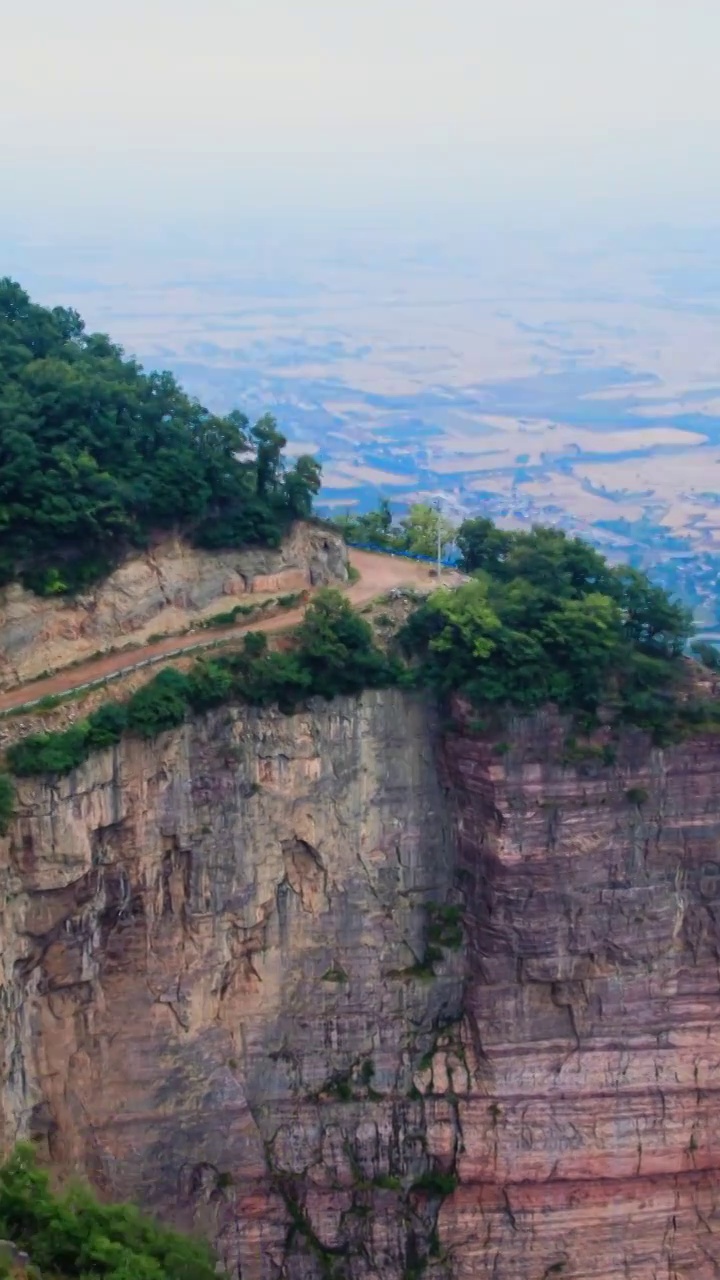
[[564, 379]]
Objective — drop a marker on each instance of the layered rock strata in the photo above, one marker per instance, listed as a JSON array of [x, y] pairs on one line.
[[592, 893], [368, 998]]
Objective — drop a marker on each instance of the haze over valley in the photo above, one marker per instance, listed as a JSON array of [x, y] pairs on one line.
[[562, 377]]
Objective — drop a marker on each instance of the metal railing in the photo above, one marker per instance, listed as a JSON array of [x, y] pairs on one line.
[[54, 699], [406, 555]]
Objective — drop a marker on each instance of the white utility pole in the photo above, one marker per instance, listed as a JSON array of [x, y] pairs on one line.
[[438, 508]]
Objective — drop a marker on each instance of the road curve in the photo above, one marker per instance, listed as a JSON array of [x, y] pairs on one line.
[[379, 573]]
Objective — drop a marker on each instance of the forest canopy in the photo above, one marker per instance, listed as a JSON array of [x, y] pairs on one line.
[[545, 619], [96, 455], [74, 1235]]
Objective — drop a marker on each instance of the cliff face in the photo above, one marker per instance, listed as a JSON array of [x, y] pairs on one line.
[[161, 591], [235, 988], [592, 895], [216, 985]]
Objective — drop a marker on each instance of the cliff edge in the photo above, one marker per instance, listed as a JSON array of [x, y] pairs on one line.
[[367, 996]]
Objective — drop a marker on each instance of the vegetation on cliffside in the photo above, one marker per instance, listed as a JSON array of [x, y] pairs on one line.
[[333, 652], [95, 455], [545, 619], [74, 1237], [416, 534], [550, 622], [7, 802]]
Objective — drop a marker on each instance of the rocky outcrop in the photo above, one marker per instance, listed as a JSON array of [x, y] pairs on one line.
[[236, 985], [162, 591]]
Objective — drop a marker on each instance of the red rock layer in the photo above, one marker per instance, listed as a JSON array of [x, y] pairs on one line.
[[591, 1135]]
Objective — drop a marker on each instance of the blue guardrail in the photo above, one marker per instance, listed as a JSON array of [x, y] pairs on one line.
[[407, 555]]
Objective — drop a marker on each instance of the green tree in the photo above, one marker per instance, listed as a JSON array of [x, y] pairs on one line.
[[707, 654], [160, 705], [381, 520], [561, 566], [96, 455], [73, 1237], [49, 752], [106, 725], [337, 649], [651, 619], [269, 444], [583, 640], [482, 545], [421, 527], [454, 632], [209, 684], [7, 802], [565, 628], [373, 527], [276, 679], [302, 484]]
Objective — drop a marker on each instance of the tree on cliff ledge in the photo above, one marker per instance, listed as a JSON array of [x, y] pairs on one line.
[[546, 619], [96, 455]]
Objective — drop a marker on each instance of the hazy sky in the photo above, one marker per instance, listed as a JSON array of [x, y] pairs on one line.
[[530, 81]]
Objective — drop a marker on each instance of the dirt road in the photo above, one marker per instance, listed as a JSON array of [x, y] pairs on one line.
[[378, 574]]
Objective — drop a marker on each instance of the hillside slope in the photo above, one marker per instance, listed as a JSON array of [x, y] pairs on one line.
[[160, 591], [97, 456]]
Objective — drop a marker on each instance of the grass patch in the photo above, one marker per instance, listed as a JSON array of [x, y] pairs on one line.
[[229, 617], [387, 1182], [7, 802], [436, 1183], [444, 932], [367, 1071], [335, 974], [339, 1086], [584, 753], [636, 795], [445, 928]]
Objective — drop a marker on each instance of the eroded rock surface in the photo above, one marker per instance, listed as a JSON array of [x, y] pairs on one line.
[[592, 894], [235, 986], [158, 592], [217, 987]]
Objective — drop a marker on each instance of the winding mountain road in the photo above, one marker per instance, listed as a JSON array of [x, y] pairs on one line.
[[378, 574]]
